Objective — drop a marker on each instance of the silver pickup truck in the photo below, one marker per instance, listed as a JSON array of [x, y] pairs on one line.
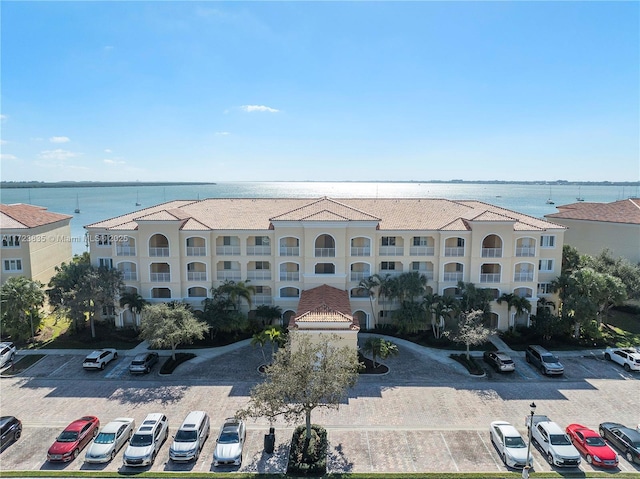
[[552, 442]]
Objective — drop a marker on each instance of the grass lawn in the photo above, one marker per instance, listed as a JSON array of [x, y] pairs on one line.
[[22, 364], [622, 329]]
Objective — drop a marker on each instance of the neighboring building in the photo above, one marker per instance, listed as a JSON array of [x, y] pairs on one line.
[[180, 249], [34, 241], [592, 227]]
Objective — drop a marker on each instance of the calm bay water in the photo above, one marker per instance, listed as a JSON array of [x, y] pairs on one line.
[[99, 203]]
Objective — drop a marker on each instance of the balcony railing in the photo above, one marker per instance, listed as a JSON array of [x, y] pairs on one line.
[[455, 251], [260, 299], [289, 251], [360, 251], [258, 250], [456, 276], [528, 276], [422, 251], [325, 252], [259, 274], [126, 251], [129, 275], [360, 275], [492, 252], [196, 251], [227, 250], [160, 277], [196, 275], [526, 251], [427, 273], [490, 277], [228, 275], [158, 251], [289, 276], [391, 272], [391, 251]]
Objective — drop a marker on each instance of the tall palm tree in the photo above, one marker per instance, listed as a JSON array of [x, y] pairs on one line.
[[521, 305], [268, 313], [236, 292], [445, 306], [411, 285], [369, 285], [135, 302], [507, 298]]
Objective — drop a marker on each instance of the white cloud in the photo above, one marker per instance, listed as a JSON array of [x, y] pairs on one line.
[[107, 150], [59, 139], [222, 133], [3, 117], [252, 108], [3, 142], [6, 156], [58, 154], [113, 162], [108, 48]]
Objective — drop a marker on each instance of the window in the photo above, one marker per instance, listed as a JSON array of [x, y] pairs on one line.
[[10, 241], [388, 265], [12, 265], [262, 241], [105, 263], [226, 264], [548, 241], [262, 265], [545, 265], [103, 240], [325, 268], [419, 241], [545, 288], [226, 240], [388, 241]]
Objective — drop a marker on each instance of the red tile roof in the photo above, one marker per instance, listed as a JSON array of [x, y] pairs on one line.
[[623, 211], [22, 216], [324, 304]]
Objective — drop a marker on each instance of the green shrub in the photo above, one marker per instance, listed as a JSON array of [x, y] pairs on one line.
[[312, 459], [472, 366], [170, 365]]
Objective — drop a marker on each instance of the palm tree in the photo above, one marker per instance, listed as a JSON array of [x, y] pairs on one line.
[[268, 313], [411, 285], [275, 337], [444, 307], [369, 285], [260, 339], [135, 302], [379, 348], [236, 292], [519, 303], [507, 298]]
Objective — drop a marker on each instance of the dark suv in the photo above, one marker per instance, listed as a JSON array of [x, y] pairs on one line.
[[549, 364]]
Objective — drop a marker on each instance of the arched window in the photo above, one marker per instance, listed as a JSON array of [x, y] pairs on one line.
[[158, 245], [490, 273], [453, 272], [127, 247], [197, 292], [454, 246], [196, 271], [160, 293], [325, 246], [362, 318], [526, 247], [128, 270], [289, 246], [360, 246], [325, 268], [289, 292], [289, 272], [196, 246], [523, 272], [492, 247], [160, 272]]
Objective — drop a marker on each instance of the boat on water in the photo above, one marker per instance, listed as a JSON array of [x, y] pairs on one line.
[[77, 210], [549, 200], [138, 199], [579, 197]]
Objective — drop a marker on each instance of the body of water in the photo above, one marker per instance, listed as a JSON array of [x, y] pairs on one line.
[[99, 203]]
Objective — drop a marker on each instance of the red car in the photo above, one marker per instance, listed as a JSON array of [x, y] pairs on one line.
[[73, 439], [591, 444]]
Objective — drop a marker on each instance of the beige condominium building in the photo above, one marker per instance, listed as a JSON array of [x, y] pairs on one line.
[[592, 227], [34, 241], [181, 249]]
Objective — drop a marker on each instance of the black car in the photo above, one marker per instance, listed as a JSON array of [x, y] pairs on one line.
[[624, 438], [500, 361], [11, 429], [142, 363]]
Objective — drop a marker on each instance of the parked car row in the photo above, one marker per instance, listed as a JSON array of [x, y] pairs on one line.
[[143, 443], [141, 363]]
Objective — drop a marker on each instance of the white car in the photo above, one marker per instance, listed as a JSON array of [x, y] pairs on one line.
[[553, 442], [100, 358], [510, 445], [230, 442], [628, 358], [110, 440], [7, 353], [146, 442]]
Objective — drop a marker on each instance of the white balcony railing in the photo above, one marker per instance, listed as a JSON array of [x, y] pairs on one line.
[[196, 251], [229, 275], [490, 277], [391, 272], [289, 276], [325, 252], [196, 275], [492, 252], [158, 251], [258, 250], [260, 299], [427, 273], [289, 251], [125, 250], [259, 274], [391, 251], [526, 251], [422, 251], [227, 250], [527, 276], [359, 275], [129, 275], [452, 276], [360, 251], [160, 277], [455, 251]]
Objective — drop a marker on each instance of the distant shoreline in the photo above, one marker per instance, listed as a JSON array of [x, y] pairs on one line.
[[106, 184]]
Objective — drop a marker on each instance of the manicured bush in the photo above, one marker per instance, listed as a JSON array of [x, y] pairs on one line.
[[308, 459], [472, 366], [170, 365]]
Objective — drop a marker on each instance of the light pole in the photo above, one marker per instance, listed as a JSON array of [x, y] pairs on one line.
[[525, 469]]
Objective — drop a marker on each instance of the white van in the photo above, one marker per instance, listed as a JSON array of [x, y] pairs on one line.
[[190, 438]]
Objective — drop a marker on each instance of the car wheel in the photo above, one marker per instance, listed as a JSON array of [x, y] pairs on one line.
[[626, 367], [115, 355], [527, 359], [602, 432], [13, 355], [75, 453], [146, 370], [102, 366], [130, 433], [153, 458], [629, 456], [95, 432], [17, 434], [589, 459], [113, 455], [607, 356], [550, 459], [504, 459]]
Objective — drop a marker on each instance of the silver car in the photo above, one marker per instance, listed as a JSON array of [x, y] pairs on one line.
[[110, 440], [230, 442], [7, 353], [510, 445]]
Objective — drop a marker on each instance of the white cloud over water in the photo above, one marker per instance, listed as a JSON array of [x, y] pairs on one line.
[[262, 108], [57, 154], [59, 139]]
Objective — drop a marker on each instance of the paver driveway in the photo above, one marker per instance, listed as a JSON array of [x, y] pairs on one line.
[[427, 414]]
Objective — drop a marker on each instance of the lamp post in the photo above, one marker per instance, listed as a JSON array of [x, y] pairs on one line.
[[525, 469]]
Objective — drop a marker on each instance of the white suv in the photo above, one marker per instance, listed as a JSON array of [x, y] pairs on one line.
[[7, 353], [100, 358], [146, 442], [628, 358]]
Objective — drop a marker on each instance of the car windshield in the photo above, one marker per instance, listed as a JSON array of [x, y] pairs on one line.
[[560, 440], [228, 438], [105, 438], [507, 361], [139, 440], [90, 360], [595, 441], [515, 442], [68, 436], [550, 359], [186, 436], [137, 362]]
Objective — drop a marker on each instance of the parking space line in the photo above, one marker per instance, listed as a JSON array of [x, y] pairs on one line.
[[60, 368], [117, 371], [488, 450], [411, 454], [366, 434], [449, 451]]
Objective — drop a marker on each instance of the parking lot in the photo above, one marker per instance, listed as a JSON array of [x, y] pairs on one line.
[[426, 415]]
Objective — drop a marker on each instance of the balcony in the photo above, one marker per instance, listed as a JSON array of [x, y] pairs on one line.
[[519, 277], [259, 274], [391, 272], [492, 252], [422, 251], [289, 251], [454, 251], [158, 251], [359, 275], [526, 251], [261, 250], [325, 252], [126, 250], [229, 275], [391, 251], [456, 276], [261, 299], [160, 277], [427, 273], [129, 275], [360, 251], [196, 251], [289, 276], [490, 278], [196, 275], [227, 250]]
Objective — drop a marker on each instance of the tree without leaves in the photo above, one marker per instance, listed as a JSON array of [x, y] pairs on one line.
[[470, 330], [164, 326], [21, 302], [302, 378]]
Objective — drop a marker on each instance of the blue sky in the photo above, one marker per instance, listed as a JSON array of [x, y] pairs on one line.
[[217, 91]]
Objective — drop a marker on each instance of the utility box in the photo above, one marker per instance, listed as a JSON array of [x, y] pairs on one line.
[[270, 441]]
